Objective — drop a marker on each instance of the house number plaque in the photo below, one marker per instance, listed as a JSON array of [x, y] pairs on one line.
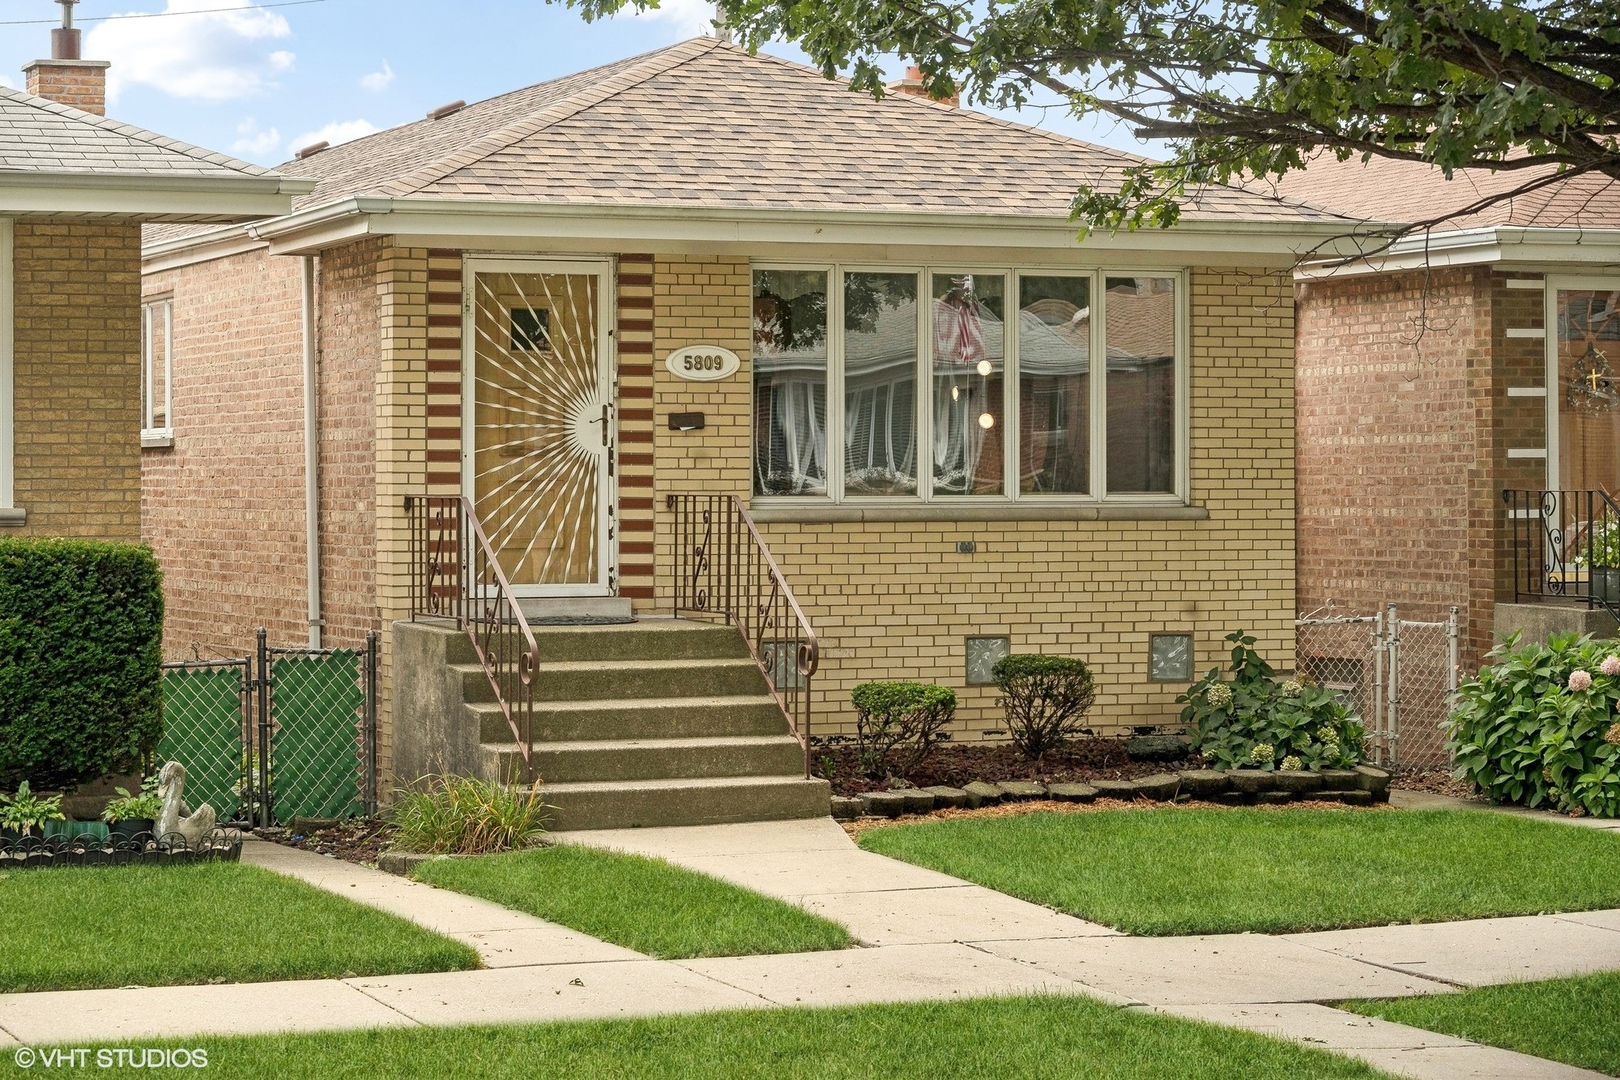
[[703, 363]]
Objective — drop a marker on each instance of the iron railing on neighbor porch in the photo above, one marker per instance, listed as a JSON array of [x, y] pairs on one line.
[[1565, 545], [723, 569], [455, 575]]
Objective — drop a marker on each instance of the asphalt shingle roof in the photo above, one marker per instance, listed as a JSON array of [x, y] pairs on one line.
[[1392, 190], [40, 136], [705, 124]]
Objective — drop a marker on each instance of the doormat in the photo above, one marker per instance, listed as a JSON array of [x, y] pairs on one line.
[[581, 620]]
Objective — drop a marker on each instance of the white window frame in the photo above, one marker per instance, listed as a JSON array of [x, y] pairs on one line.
[[1097, 388], [7, 395], [1553, 285], [153, 436]]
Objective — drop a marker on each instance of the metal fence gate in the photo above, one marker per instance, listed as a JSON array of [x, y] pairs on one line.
[[279, 734], [1397, 674]]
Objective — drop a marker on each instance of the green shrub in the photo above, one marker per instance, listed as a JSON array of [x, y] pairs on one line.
[[1045, 698], [1537, 727], [81, 643], [142, 807], [457, 815], [1253, 720], [898, 724], [25, 812]]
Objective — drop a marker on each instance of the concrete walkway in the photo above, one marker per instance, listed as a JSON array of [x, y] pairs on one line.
[[927, 936]]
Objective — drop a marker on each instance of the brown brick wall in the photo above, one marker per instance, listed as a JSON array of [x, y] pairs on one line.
[[1401, 417], [224, 508], [77, 377], [349, 342]]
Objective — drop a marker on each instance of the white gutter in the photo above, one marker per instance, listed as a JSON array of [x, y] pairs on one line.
[[312, 491], [178, 198], [606, 224], [1556, 248]]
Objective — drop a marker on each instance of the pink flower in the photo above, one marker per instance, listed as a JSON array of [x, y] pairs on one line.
[[1610, 666], [1580, 680]]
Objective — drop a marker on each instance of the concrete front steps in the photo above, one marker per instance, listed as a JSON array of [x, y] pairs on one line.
[[659, 722]]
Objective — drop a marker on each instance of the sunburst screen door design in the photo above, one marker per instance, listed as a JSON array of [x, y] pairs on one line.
[[538, 435]]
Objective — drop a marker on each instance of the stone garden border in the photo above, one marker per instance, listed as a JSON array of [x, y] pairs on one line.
[[1361, 786]]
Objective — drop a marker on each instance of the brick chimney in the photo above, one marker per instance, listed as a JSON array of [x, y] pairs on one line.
[[66, 78], [912, 86]]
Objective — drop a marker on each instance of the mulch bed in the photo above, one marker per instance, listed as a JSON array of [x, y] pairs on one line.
[[957, 764], [355, 841]]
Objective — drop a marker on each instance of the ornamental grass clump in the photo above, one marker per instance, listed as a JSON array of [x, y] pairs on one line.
[[898, 724], [1537, 728], [1045, 698], [457, 815], [1245, 718]]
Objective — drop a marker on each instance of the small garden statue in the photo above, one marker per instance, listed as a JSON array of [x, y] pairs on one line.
[[173, 818]]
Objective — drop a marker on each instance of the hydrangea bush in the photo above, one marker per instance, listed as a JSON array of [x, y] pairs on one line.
[[1245, 718], [1539, 726]]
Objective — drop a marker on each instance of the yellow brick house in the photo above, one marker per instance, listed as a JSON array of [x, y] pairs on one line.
[[658, 327], [75, 188]]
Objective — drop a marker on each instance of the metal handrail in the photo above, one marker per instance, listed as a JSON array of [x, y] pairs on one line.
[[455, 574], [723, 568], [1557, 541]]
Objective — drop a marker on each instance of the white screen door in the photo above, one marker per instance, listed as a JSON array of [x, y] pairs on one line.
[[538, 425]]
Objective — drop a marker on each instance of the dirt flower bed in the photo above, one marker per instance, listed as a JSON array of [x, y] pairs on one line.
[[1047, 806], [356, 841], [1435, 782], [958, 764]]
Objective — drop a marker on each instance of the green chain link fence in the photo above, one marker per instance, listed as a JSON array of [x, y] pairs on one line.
[[203, 724], [318, 734], [303, 729]]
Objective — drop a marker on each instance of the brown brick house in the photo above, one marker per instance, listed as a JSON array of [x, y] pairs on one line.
[[75, 188], [1460, 364], [700, 272]]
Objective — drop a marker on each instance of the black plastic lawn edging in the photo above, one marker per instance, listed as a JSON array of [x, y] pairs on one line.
[[140, 849]]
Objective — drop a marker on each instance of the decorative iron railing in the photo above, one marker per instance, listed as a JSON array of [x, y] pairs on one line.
[[1565, 545], [723, 569], [456, 575]]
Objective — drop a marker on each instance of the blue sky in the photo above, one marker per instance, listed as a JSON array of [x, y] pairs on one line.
[[260, 80]]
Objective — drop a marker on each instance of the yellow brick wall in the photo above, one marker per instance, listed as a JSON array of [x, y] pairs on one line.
[[402, 442], [895, 600], [77, 377]]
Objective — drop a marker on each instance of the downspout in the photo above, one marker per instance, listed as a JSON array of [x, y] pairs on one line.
[[312, 491]]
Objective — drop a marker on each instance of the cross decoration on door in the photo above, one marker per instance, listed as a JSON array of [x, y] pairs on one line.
[[1591, 379]]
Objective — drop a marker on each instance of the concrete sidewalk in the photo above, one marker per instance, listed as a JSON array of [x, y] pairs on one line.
[[926, 936]]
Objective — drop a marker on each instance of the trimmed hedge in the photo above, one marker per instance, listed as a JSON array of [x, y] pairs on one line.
[[1046, 699], [899, 723], [81, 644]]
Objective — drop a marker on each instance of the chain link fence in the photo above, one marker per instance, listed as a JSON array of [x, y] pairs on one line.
[[280, 734], [205, 728], [1397, 674]]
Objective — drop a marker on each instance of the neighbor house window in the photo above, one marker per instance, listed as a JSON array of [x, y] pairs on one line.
[[157, 346], [942, 383]]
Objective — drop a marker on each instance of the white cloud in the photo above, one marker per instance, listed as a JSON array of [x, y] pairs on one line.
[[690, 18], [339, 131], [255, 143], [378, 81], [215, 55]]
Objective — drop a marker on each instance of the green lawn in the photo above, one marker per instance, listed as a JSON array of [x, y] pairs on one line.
[[78, 928], [1175, 871], [643, 904], [1576, 1021], [1040, 1038]]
